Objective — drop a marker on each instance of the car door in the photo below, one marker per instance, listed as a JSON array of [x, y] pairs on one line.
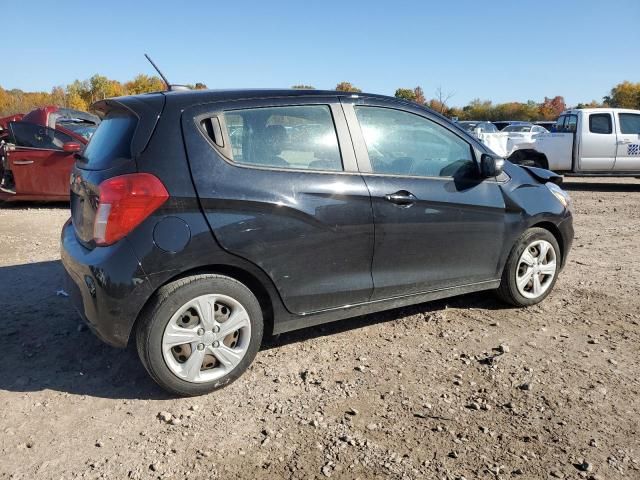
[[38, 163], [437, 224], [598, 142], [278, 182], [628, 145]]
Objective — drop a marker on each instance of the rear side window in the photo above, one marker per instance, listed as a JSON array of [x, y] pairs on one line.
[[31, 135], [112, 140], [600, 123], [297, 137], [629, 123]]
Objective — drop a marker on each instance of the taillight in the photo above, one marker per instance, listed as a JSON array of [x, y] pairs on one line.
[[125, 202]]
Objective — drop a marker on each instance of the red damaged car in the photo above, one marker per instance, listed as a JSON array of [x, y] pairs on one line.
[[37, 152]]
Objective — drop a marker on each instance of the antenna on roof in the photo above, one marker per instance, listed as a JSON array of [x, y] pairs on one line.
[[164, 79]]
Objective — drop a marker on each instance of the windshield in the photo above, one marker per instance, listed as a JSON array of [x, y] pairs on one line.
[[517, 128]]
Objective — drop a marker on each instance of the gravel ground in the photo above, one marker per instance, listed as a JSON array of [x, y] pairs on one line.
[[461, 388]]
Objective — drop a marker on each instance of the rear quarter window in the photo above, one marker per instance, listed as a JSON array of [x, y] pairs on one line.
[[296, 137], [111, 141]]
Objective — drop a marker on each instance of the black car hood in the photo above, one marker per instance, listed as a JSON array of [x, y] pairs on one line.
[[543, 175]]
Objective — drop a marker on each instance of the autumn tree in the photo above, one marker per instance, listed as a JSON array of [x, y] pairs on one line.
[[442, 98], [591, 104], [551, 108], [347, 87], [144, 84], [624, 95], [412, 94]]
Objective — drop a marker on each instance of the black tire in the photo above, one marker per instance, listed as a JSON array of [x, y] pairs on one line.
[[531, 162], [165, 303], [508, 290]]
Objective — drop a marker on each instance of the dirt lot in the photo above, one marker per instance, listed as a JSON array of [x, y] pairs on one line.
[[421, 392]]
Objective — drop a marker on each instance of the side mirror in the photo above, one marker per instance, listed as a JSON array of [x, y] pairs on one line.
[[491, 166], [71, 147]]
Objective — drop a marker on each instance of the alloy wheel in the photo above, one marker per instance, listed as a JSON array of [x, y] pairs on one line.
[[536, 270]]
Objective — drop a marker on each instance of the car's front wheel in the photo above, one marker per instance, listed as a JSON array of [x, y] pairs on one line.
[[199, 334], [532, 268]]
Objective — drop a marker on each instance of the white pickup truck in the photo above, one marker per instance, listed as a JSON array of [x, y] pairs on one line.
[[592, 141]]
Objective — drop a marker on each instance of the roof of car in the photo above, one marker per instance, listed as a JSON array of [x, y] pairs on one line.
[[198, 96]]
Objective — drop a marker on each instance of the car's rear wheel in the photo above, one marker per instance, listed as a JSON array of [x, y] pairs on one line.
[[199, 334], [532, 268]]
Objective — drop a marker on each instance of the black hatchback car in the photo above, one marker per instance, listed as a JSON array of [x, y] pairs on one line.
[[203, 220]]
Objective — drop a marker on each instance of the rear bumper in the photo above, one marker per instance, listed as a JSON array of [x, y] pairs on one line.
[[106, 285]]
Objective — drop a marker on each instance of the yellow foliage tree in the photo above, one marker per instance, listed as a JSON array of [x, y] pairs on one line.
[[75, 101], [144, 84], [624, 95]]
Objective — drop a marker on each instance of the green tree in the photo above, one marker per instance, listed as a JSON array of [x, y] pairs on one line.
[[347, 87], [405, 94], [99, 87], [412, 94]]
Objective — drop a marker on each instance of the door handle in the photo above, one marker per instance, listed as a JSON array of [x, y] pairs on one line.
[[402, 198], [22, 162]]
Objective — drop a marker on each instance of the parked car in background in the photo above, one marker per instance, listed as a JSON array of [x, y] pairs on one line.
[[37, 153], [548, 124], [477, 127], [501, 124], [4, 125], [202, 219], [524, 128], [592, 141]]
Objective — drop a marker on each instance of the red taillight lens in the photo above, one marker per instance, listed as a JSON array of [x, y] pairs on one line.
[[125, 201]]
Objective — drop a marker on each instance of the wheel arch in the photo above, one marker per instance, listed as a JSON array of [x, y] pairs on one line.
[[555, 231], [529, 155], [237, 273]]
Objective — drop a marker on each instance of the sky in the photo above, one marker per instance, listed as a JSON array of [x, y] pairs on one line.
[[487, 49]]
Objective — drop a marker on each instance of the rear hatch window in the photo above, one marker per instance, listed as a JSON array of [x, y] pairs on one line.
[[123, 134], [110, 142], [107, 154]]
